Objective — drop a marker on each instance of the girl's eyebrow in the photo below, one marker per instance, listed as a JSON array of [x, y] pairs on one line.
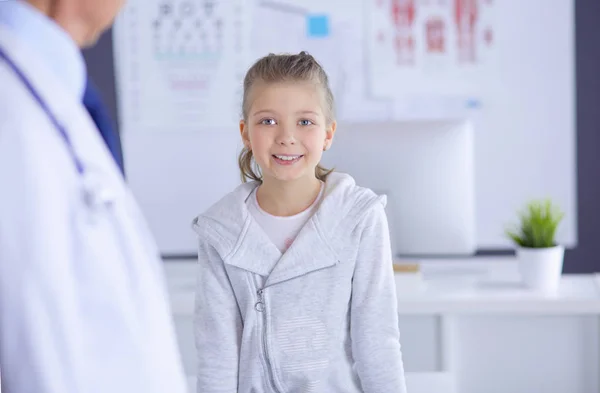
[[265, 111], [270, 111], [307, 113]]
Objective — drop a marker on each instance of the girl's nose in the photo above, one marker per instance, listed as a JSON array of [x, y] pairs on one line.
[[285, 136]]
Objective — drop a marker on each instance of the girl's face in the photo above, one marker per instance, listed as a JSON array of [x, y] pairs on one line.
[[286, 129]]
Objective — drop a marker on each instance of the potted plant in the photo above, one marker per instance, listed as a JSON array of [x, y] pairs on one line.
[[539, 257]]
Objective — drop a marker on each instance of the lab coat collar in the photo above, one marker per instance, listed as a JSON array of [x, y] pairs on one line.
[[49, 41]]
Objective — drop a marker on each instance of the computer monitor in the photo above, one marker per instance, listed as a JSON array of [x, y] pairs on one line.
[[426, 168]]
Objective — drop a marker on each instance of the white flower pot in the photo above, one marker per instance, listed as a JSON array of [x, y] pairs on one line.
[[541, 268]]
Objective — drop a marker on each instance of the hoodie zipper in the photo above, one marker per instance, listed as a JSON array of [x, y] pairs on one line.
[[261, 306]]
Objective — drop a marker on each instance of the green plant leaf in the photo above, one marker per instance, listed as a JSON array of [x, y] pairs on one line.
[[537, 225]]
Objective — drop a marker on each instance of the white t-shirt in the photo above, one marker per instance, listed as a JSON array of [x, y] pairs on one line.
[[281, 230]]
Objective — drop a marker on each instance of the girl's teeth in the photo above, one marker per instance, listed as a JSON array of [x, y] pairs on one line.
[[287, 158]]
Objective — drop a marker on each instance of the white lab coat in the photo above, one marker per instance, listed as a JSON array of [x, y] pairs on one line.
[[83, 304]]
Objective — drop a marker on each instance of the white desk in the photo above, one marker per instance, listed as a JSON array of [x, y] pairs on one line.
[[472, 328]]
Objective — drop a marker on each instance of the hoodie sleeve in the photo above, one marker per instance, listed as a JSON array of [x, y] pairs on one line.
[[374, 314], [217, 326]]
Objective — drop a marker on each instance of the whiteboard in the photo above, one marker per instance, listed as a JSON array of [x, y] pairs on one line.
[[513, 76]]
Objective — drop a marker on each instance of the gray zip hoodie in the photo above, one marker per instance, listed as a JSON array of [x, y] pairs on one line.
[[322, 317]]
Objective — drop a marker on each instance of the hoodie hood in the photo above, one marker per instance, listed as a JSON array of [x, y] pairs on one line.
[[229, 227]]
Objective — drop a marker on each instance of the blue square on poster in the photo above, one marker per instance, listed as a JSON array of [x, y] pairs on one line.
[[317, 26]]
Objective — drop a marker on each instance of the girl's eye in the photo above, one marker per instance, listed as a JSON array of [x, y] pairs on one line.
[[268, 122], [305, 122]]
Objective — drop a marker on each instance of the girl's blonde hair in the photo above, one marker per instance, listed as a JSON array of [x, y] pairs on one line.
[[273, 68]]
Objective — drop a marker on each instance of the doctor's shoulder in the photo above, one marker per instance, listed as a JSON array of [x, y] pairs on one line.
[[26, 134], [17, 109]]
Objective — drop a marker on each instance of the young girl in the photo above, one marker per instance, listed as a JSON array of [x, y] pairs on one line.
[[295, 290]]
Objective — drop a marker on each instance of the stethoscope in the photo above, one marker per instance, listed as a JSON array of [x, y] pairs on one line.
[[94, 195]]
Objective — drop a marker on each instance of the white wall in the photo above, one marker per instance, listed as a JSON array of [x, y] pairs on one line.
[[176, 176]]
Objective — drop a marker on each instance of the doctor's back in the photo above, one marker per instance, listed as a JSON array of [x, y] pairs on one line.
[[83, 303]]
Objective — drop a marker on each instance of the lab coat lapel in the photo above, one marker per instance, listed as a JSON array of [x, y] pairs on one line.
[[67, 108], [46, 84]]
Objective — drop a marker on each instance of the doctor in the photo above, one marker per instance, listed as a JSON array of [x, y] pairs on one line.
[[83, 305]]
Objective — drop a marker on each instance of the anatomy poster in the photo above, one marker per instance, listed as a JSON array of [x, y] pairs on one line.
[[436, 47]]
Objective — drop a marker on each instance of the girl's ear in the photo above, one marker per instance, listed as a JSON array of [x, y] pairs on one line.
[[329, 133], [244, 134]]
